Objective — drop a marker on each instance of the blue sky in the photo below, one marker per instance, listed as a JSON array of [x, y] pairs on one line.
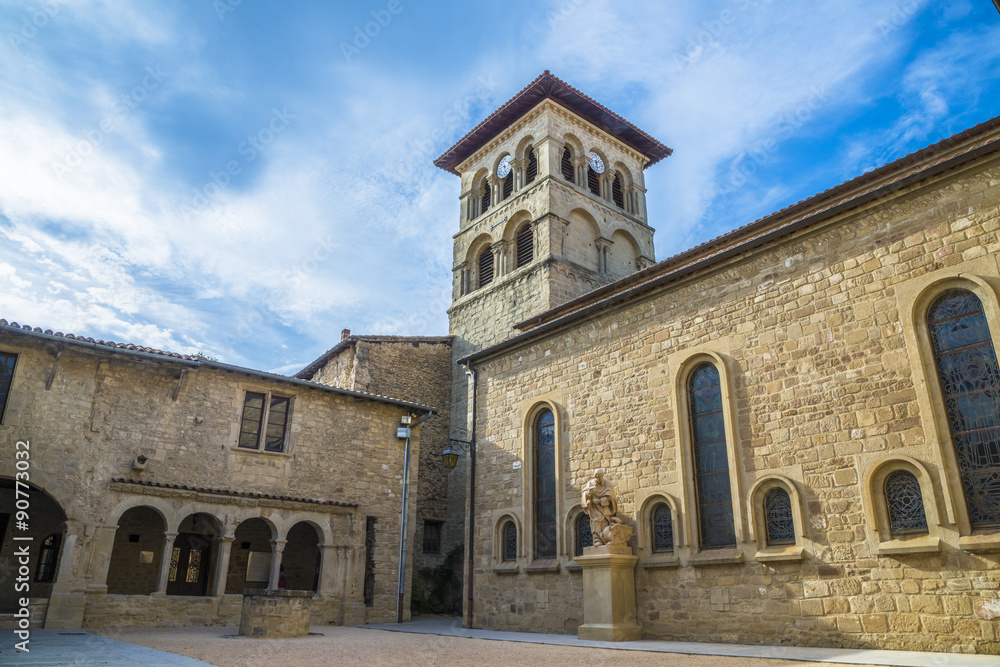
[[245, 179]]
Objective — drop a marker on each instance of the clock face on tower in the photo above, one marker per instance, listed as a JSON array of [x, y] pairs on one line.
[[596, 163], [504, 167]]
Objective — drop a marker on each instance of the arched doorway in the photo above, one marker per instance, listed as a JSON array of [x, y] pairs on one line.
[[45, 524], [250, 558], [137, 552], [193, 554], [301, 558]]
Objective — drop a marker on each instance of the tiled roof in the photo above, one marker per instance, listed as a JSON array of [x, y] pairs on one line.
[[310, 370], [192, 361], [878, 183], [231, 492], [547, 86]]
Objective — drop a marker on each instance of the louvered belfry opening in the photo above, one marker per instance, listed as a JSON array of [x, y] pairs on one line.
[[616, 192], [508, 185], [532, 167], [525, 245], [487, 198], [592, 183], [567, 164], [486, 267]]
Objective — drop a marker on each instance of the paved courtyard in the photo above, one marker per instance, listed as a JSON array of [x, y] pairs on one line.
[[430, 641]]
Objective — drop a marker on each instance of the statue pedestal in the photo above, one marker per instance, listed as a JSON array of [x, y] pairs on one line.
[[609, 594]]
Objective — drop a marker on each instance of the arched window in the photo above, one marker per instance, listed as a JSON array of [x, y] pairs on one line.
[[48, 557], [508, 185], [525, 245], [545, 485], [532, 171], [487, 197], [508, 551], [778, 518], [662, 529], [711, 461], [567, 164], [486, 267], [616, 191], [593, 182], [970, 386], [584, 537], [904, 503]]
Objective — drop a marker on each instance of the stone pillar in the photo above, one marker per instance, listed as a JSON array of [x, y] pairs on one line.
[[498, 257], [603, 248], [68, 599], [277, 548], [609, 594], [222, 565], [328, 571], [580, 170], [519, 174], [168, 547], [102, 558]]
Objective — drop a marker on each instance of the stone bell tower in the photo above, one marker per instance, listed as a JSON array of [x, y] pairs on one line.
[[553, 205]]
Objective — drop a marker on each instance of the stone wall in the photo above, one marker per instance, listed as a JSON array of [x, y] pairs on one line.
[[418, 368], [103, 410], [825, 381]]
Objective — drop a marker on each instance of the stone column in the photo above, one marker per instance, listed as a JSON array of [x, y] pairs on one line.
[[519, 174], [603, 247], [105, 542], [168, 547], [68, 600], [277, 548], [580, 170], [498, 257], [222, 565], [328, 581], [477, 198]]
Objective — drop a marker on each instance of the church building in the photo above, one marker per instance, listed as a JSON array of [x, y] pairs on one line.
[[802, 416]]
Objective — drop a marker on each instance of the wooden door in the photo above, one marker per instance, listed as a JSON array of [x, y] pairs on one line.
[[189, 564]]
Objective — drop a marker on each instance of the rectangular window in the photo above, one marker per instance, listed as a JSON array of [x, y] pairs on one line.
[[6, 376], [432, 537], [255, 431], [369, 585]]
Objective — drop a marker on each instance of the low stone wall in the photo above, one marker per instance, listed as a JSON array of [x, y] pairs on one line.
[[275, 614], [121, 611]]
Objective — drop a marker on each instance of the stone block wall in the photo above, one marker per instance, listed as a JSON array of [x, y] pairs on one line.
[[103, 409], [826, 382]]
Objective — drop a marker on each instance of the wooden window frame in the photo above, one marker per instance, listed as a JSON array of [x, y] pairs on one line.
[[262, 424]]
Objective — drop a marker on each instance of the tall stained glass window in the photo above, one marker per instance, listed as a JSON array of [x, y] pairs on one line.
[[545, 485], [509, 542], [711, 462], [663, 529], [584, 536], [970, 385]]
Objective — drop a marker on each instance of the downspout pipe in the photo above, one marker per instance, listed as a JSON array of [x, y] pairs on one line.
[[404, 512], [472, 494]]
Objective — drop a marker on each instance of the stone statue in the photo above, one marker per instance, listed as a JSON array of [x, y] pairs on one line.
[[600, 502]]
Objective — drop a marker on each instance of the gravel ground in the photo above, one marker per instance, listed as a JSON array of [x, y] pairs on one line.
[[358, 646]]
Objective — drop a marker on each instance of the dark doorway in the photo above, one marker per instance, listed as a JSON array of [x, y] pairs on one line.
[[189, 565]]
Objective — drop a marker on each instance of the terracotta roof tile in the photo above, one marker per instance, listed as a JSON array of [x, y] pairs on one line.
[[231, 492], [547, 86]]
